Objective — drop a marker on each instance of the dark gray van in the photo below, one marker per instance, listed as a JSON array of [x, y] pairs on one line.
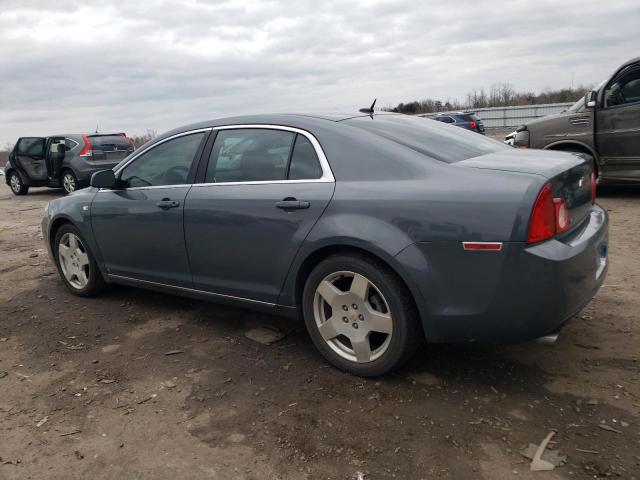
[[66, 161], [604, 124]]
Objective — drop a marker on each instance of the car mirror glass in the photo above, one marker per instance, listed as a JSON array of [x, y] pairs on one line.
[[104, 179]]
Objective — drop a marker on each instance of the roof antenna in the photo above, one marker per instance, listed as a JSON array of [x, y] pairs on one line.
[[96, 128], [370, 109]]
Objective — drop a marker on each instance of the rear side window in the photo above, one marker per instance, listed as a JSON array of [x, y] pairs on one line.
[[304, 161], [249, 155], [429, 138], [445, 119], [465, 117]]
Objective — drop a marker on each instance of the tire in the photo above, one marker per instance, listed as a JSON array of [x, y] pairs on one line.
[[384, 326], [77, 268], [16, 184], [69, 181]]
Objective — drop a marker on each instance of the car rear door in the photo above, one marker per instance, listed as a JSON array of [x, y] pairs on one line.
[[139, 226], [618, 126], [263, 190], [29, 158]]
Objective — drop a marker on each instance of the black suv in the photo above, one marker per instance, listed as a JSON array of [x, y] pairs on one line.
[[65, 161]]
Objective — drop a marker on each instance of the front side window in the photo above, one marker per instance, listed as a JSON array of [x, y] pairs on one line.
[[623, 89], [32, 147], [249, 155], [167, 164]]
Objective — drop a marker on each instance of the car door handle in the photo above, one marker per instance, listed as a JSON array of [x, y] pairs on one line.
[[292, 204], [167, 203]]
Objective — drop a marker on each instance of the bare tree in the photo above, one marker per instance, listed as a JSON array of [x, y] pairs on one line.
[[139, 140]]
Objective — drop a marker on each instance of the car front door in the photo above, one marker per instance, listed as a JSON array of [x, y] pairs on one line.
[[29, 157], [264, 189], [618, 126], [139, 226]]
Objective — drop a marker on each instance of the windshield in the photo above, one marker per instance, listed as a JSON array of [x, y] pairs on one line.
[[434, 139]]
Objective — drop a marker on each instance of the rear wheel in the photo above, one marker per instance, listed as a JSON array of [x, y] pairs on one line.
[[69, 181], [360, 315], [15, 182], [76, 264]]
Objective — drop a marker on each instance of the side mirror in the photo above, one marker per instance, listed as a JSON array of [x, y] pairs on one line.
[[590, 99], [103, 179]]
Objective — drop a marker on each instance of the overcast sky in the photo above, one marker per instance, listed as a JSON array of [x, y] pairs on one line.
[[67, 65]]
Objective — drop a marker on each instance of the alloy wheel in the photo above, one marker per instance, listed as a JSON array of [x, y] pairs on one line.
[[15, 183], [74, 261], [68, 182], [352, 316]]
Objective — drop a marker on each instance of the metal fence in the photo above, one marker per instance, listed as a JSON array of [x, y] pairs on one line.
[[505, 117]]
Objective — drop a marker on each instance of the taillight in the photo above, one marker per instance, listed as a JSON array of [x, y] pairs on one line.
[[549, 217], [87, 150], [473, 125], [130, 140], [593, 187]]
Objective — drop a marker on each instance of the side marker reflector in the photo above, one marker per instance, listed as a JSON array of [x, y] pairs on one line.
[[491, 246]]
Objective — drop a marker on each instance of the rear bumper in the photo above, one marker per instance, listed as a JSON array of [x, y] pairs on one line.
[[519, 293]]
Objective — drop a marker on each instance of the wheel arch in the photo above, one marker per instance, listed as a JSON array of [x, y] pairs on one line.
[[313, 258], [55, 226], [574, 145]]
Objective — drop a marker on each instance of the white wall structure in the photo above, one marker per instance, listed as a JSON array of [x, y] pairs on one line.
[[505, 117]]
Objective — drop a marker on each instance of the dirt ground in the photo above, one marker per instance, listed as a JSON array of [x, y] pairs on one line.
[[91, 392]]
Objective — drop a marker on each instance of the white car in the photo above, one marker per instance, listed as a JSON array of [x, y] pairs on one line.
[[509, 139]]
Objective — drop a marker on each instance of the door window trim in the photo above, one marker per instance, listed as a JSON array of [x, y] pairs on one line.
[[139, 153], [327, 174]]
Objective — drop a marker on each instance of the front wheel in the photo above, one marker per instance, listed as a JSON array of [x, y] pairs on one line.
[[76, 264], [16, 184], [69, 181], [360, 315]]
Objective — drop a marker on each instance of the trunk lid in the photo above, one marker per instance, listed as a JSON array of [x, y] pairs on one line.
[[568, 173]]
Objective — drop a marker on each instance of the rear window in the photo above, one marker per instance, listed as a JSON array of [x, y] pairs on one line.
[[429, 138], [98, 141]]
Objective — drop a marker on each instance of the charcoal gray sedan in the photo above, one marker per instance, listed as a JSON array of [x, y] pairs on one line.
[[379, 231]]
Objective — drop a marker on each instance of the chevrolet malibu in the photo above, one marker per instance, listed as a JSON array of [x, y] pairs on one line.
[[379, 231]]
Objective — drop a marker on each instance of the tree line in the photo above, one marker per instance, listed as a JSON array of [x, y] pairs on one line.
[[498, 95]]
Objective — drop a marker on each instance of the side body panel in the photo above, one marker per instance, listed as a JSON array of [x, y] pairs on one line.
[[239, 243], [138, 239]]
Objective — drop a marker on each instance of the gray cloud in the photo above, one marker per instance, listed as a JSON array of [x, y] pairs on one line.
[[69, 65]]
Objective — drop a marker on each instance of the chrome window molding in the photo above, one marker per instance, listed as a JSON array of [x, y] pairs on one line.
[[139, 153], [327, 174]]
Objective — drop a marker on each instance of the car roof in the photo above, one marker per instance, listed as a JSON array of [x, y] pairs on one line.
[[305, 121]]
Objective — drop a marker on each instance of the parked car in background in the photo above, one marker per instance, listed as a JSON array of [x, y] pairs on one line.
[[605, 125], [379, 230], [510, 138], [467, 120], [65, 161]]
